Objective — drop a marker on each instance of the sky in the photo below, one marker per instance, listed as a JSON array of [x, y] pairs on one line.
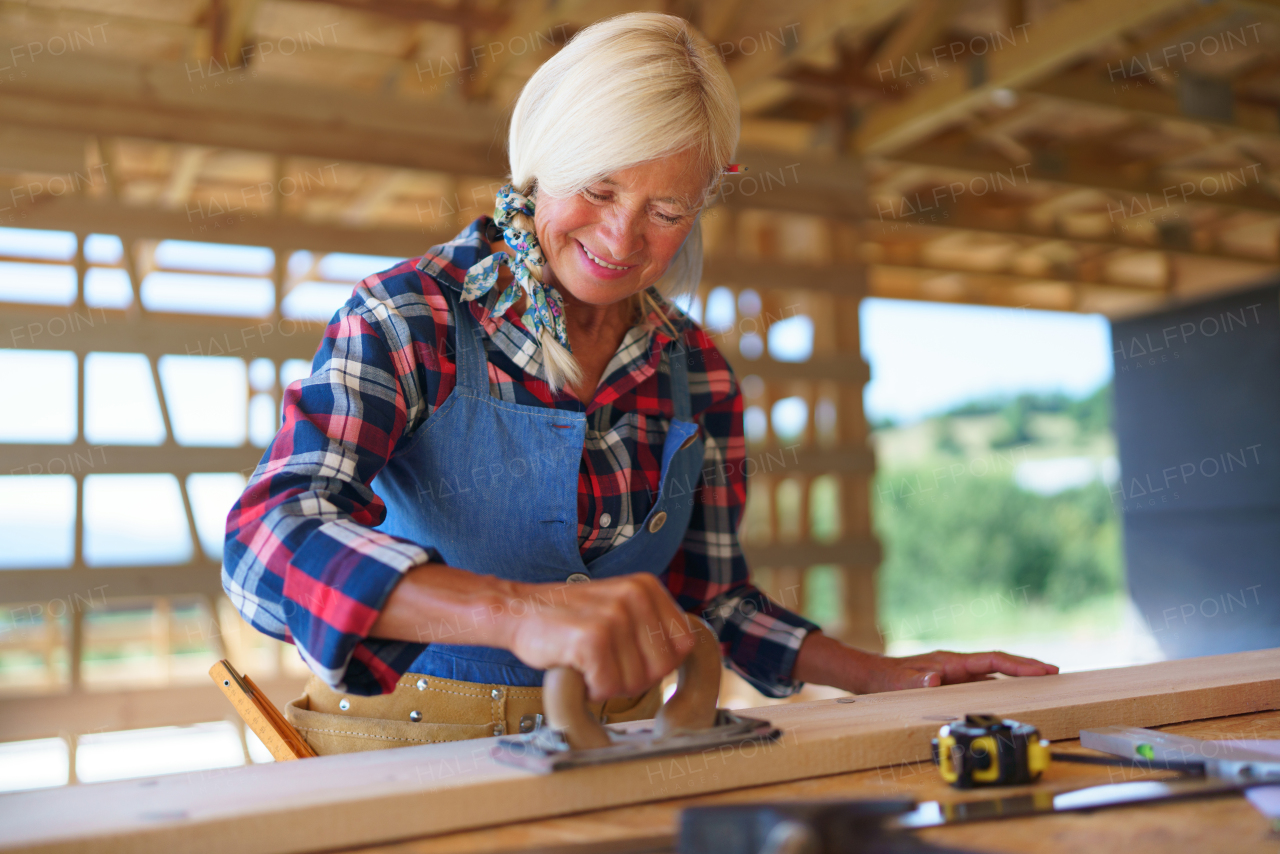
[[928, 357]]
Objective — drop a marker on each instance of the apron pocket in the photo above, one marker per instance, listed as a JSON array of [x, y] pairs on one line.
[[330, 733]]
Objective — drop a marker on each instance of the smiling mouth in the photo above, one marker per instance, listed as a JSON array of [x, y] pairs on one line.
[[601, 261]]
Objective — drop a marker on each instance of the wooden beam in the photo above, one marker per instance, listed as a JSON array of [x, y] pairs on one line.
[[202, 576], [810, 459], [971, 221], [468, 16], [191, 103], [231, 221], [840, 367], [243, 226], [922, 24], [81, 458], [1098, 88], [182, 180], [1137, 192], [229, 23], [111, 98], [373, 796], [777, 275], [34, 150], [1001, 279], [814, 34], [806, 184], [863, 553], [47, 716], [89, 330], [1054, 40]]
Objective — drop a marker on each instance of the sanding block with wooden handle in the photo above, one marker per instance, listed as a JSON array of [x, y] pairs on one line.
[[689, 722]]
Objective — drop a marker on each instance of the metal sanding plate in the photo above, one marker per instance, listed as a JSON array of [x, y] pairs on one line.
[[545, 750]]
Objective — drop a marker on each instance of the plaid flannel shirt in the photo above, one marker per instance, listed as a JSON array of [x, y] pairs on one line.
[[304, 560]]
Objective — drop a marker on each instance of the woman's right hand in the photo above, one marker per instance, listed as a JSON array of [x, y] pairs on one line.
[[623, 634]]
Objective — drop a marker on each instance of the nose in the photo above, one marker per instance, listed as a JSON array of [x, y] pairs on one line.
[[622, 233]]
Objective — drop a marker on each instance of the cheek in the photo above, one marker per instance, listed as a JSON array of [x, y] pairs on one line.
[[666, 247], [566, 217]]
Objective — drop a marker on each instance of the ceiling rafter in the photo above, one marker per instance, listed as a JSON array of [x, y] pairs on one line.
[[1053, 41]]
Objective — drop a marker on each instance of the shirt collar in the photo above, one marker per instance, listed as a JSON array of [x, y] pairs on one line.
[[448, 263]]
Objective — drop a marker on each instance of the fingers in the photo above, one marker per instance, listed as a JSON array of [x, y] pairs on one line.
[[972, 667], [634, 634], [666, 638], [1009, 665], [925, 679], [622, 634], [631, 667]]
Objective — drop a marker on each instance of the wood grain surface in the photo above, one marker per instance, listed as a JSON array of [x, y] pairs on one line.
[[364, 798], [1227, 825]]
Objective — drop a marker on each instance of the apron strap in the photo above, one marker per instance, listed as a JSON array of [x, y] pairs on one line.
[[470, 359], [678, 364]]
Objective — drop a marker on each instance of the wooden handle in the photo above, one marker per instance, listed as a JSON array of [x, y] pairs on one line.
[[692, 707]]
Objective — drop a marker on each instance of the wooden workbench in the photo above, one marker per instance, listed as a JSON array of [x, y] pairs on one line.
[[1226, 824]]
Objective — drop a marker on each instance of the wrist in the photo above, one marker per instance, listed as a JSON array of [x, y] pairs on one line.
[[824, 660], [503, 619]]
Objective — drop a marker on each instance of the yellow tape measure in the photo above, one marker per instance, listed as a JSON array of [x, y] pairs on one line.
[[987, 750], [260, 714]]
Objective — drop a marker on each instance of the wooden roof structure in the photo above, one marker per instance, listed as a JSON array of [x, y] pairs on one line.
[[1079, 155], [1076, 155]]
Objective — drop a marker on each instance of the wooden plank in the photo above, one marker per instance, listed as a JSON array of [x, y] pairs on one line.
[[1186, 826], [362, 798]]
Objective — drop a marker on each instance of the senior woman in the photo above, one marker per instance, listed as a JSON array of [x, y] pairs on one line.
[[523, 409]]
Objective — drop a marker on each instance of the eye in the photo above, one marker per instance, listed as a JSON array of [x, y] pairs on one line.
[[669, 220], [595, 196]]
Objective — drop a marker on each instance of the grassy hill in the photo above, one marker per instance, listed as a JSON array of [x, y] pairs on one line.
[[996, 512]]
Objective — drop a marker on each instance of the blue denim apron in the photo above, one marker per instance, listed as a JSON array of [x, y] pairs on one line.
[[493, 486]]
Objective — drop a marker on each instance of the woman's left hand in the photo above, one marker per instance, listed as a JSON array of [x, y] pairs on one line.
[[824, 660], [931, 669]]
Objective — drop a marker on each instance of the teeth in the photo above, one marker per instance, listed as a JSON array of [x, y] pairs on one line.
[[601, 263]]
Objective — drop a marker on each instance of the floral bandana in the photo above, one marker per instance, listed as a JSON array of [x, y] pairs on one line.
[[546, 309]]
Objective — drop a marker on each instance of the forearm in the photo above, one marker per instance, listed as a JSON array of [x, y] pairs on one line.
[[823, 660], [437, 602]]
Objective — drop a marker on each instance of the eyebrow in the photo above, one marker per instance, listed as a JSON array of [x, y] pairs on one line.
[[670, 199]]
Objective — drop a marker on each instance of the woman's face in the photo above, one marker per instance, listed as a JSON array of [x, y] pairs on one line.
[[633, 222]]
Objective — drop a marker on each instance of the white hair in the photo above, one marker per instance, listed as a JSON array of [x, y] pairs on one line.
[[624, 91]]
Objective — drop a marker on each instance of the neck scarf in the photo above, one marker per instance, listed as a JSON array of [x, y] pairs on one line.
[[546, 308]]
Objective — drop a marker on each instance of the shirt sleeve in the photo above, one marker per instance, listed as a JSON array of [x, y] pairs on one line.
[[708, 575], [302, 561]]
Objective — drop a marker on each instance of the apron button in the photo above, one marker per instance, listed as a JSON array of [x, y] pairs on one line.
[[415, 716], [659, 519], [344, 704], [422, 684], [578, 578]]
